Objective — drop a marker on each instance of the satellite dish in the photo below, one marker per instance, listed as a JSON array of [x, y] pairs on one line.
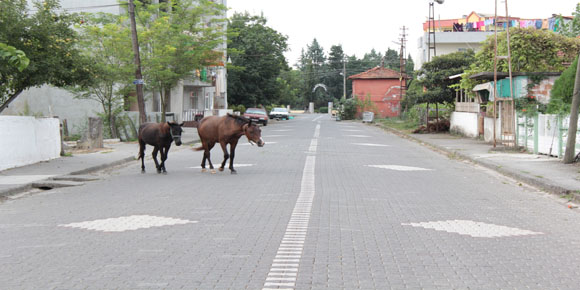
[[439, 1]]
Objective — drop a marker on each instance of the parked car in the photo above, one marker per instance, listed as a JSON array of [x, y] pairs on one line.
[[279, 113], [257, 115]]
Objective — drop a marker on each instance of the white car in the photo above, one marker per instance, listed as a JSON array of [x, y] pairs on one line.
[[279, 113]]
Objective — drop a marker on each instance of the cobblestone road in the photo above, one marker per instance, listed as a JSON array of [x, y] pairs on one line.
[[324, 205]]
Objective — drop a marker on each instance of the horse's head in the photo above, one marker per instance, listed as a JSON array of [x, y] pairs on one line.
[[254, 134], [175, 131]]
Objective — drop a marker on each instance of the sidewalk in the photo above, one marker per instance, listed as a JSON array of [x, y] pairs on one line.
[[544, 172], [69, 171]]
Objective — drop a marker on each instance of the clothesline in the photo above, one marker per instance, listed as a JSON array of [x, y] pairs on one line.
[[486, 25]]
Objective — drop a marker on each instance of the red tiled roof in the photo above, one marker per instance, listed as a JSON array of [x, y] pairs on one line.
[[377, 73]]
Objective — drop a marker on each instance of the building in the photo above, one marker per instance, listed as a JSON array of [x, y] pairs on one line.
[[205, 93], [382, 87], [474, 116], [469, 31]]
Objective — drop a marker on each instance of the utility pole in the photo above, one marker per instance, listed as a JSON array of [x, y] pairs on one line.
[[403, 64], [344, 79], [138, 76], [573, 127]]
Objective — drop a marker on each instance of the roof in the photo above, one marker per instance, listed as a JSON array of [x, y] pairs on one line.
[[378, 72]]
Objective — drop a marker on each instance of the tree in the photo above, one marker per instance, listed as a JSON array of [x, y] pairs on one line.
[[49, 41], [14, 57], [571, 29], [435, 77], [257, 59], [561, 93], [178, 37], [312, 66], [334, 78], [108, 43], [392, 60], [532, 50]]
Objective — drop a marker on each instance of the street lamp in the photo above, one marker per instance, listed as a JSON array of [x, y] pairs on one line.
[[432, 31]]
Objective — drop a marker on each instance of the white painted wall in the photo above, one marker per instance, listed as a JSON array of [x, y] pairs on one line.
[[27, 140], [465, 124], [488, 129]]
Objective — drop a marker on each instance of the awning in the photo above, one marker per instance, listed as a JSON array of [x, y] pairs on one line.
[[485, 86]]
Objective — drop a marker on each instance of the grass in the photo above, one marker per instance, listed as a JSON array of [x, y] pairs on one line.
[[406, 126]]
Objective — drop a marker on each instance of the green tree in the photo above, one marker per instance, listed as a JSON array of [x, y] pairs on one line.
[[289, 83], [48, 40], [392, 60], [334, 78], [435, 77], [532, 50], [313, 67], [571, 29], [257, 60], [561, 93], [108, 43], [178, 37], [13, 56]]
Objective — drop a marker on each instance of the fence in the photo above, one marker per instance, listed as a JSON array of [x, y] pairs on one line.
[[544, 134]]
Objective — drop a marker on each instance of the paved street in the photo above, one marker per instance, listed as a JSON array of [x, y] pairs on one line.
[[323, 205]]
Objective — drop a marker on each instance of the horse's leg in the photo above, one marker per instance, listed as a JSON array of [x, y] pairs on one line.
[[226, 155], [164, 151], [204, 146], [142, 154], [232, 155], [209, 147], [154, 154]]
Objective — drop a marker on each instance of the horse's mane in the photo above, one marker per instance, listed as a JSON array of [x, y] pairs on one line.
[[239, 119]]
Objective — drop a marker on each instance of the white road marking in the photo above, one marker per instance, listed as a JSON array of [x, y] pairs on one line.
[[358, 136], [289, 252], [473, 228], [399, 167], [127, 223], [235, 165], [248, 144], [370, 144], [317, 118]]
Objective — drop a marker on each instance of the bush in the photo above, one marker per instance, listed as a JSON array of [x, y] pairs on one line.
[[348, 109], [323, 110]]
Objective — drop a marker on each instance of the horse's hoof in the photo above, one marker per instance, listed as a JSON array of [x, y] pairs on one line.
[[213, 171], [142, 171], [221, 169], [203, 170], [164, 172], [234, 172]]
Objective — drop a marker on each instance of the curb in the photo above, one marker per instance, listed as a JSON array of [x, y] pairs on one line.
[[546, 186], [25, 187]]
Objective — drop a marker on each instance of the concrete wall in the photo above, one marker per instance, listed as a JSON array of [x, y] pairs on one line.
[[47, 101], [27, 140], [464, 123]]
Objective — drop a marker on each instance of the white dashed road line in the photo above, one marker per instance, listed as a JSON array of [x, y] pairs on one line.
[[284, 270]]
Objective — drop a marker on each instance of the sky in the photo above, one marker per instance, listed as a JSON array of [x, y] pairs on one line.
[[362, 25]]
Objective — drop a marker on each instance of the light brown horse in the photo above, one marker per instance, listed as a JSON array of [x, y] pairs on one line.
[[160, 136], [225, 130]]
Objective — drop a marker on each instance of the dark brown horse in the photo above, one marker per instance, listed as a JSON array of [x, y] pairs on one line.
[[160, 136], [225, 130]]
